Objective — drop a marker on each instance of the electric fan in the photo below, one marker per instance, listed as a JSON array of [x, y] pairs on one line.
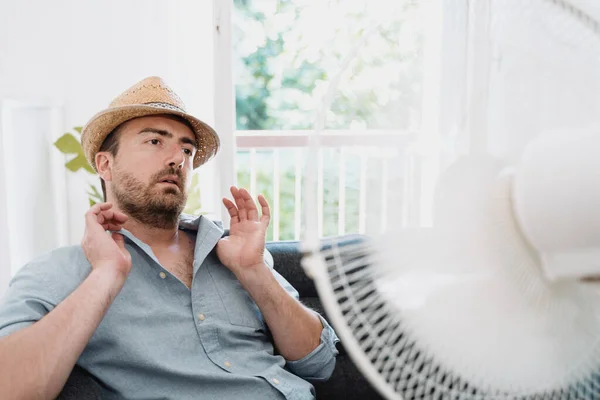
[[484, 287]]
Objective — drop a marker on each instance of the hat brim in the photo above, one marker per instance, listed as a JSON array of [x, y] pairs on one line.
[[102, 124]]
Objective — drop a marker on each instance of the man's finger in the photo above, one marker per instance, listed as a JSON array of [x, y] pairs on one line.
[[105, 216], [91, 216], [111, 227], [118, 216], [112, 216], [109, 216], [232, 210], [250, 205], [98, 207], [119, 240], [239, 202], [266, 211]]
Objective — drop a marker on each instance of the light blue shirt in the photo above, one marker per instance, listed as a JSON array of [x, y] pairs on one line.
[[162, 340]]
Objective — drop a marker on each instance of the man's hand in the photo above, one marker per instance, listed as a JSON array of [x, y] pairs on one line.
[[103, 250], [296, 330], [243, 249]]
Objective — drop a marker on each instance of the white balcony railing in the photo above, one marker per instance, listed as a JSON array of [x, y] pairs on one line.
[[353, 179]]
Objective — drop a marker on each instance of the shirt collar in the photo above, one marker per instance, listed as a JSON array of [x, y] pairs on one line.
[[208, 233]]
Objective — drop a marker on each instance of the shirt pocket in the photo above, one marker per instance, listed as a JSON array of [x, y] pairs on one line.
[[240, 307]]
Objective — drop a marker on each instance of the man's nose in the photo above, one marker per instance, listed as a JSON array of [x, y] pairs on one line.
[[176, 157]]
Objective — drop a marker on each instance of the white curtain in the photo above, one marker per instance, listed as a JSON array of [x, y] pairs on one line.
[[33, 200]]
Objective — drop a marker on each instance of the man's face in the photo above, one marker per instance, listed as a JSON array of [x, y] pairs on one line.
[[151, 172]]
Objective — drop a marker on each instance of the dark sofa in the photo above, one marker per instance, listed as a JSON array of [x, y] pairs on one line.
[[345, 383]]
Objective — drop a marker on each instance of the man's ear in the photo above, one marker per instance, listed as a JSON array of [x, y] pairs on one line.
[[104, 161]]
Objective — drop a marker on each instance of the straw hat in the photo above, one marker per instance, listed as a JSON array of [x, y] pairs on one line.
[[150, 96]]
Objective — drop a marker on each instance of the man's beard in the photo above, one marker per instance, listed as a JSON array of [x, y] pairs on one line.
[[152, 206]]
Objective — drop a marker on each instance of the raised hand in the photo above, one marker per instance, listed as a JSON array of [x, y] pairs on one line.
[[244, 248], [101, 249]]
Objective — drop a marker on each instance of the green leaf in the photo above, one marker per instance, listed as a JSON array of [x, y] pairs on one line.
[[79, 162], [68, 144], [89, 168], [92, 202], [95, 191], [94, 194], [78, 129]]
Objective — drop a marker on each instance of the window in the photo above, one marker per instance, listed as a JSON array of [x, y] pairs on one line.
[[353, 70]]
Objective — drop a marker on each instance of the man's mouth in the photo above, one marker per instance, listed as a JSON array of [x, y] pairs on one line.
[[173, 180]]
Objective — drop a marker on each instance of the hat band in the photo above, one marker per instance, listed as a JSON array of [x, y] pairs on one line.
[[165, 105]]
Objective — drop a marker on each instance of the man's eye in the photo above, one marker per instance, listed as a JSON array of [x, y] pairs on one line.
[[187, 151], [154, 141]]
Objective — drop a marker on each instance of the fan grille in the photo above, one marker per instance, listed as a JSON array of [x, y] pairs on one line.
[[391, 348]]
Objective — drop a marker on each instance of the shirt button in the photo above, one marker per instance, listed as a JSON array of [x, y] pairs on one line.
[[162, 275], [227, 364], [275, 381], [201, 317]]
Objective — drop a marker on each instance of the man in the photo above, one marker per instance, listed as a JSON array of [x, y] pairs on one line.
[[162, 306]]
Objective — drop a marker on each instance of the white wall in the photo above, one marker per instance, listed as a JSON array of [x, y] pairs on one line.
[[82, 54]]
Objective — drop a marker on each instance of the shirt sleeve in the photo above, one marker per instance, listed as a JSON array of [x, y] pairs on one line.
[[319, 364], [36, 289]]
